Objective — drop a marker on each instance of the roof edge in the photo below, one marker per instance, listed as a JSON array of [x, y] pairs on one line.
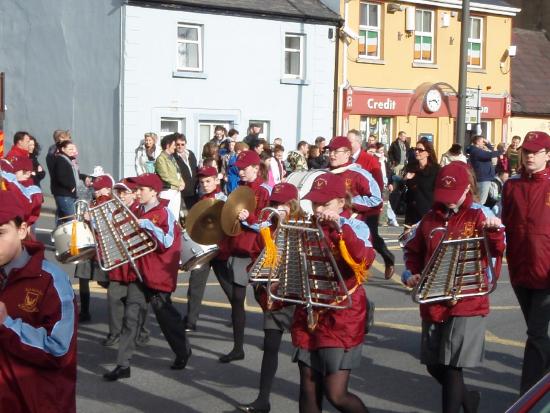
[[480, 7], [174, 4]]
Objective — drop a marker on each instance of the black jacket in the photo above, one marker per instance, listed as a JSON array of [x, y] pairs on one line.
[[320, 162], [62, 178], [394, 153], [38, 176], [190, 178], [420, 190]]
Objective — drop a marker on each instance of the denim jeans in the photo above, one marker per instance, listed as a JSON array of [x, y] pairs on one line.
[[65, 208]]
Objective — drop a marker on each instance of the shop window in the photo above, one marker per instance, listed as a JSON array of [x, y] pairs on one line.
[[171, 125], [424, 37], [265, 128], [294, 56], [206, 130], [475, 42], [369, 30], [379, 126], [190, 46]]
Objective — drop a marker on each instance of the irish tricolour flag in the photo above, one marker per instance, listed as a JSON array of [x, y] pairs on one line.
[[368, 43], [422, 48], [474, 54]]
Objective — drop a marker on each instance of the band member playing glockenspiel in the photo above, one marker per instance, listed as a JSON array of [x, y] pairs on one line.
[[285, 199], [453, 332], [327, 354]]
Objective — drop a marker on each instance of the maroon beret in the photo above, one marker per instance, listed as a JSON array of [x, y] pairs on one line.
[[10, 207], [207, 172], [326, 187], [283, 193], [247, 158], [535, 141], [339, 142], [152, 181], [103, 181], [451, 182]]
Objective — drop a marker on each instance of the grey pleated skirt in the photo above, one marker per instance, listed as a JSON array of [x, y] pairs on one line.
[[280, 319], [329, 360], [89, 270], [457, 342], [237, 267]]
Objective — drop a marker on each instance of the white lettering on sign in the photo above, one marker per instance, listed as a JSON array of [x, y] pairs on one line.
[[387, 104], [484, 109]]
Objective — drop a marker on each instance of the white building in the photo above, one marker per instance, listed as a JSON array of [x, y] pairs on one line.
[[190, 65]]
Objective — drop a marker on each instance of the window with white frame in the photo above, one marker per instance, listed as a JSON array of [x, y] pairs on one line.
[[265, 128], [475, 42], [424, 37], [171, 125], [369, 30], [294, 56], [190, 47], [206, 130]]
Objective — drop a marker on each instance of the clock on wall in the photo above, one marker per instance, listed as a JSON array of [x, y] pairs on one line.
[[432, 100]]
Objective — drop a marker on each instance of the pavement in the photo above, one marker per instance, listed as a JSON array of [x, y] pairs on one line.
[[390, 378]]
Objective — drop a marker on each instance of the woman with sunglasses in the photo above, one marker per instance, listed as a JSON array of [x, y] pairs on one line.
[[420, 180]]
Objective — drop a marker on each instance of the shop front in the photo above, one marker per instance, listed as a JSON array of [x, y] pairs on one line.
[[429, 111]]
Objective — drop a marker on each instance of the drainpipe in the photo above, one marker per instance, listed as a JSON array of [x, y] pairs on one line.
[[344, 74]]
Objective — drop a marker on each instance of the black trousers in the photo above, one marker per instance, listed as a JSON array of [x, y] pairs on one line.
[[377, 241], [170, 321]]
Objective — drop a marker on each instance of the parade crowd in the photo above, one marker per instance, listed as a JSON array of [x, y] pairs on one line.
[[357, 184]]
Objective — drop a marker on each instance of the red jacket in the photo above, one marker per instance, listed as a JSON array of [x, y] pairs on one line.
[[17, 152], [371, 164], [526, 214], [159, 269], [242, 244], [339, 328], [365, 192], [420, 248], [38, 339]]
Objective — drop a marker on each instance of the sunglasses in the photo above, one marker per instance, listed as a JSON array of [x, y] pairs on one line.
[[420, 150]]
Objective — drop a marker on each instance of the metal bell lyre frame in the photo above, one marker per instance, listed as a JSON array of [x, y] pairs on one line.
[[259, 273], [446, 274], [307, 273], [109, 220]]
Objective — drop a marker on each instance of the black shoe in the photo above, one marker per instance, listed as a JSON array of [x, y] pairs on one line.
[[111, 340], [249, 408], [232, 356], [181, 362], [84, 317], [190, 328], [118, 373]]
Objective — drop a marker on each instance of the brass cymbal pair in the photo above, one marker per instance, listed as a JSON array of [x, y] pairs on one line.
[[210, 219]]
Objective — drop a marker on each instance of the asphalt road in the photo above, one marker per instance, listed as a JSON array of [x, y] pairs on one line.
[[390, 378]]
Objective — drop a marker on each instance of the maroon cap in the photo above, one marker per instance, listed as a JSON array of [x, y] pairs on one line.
[[339, 142], [283, 193], [21, 163], [451, 182], [207, 172], [102, 182], [125, 185], [247, 158], [10, 207], [149, 180], [535, 141], [327, 187]]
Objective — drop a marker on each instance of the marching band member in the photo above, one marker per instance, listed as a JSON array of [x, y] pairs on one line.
[[284, 198], [366, 194], [159, 270], [327, 354], [37, 322], [453, 333], [526, 214], [210, 189], [240, 246], [89, 270], [125, 298]]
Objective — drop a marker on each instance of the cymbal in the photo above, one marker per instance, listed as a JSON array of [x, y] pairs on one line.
[[203, 222], [241, 198]]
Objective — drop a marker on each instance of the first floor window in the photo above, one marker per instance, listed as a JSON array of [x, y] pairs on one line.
[[369, 30], [424, 36], [294, 56], [189, 47], [475, 42], [206, 130]]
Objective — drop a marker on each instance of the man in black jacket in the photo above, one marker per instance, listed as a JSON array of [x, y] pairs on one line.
[[397, 153], [187, 163]]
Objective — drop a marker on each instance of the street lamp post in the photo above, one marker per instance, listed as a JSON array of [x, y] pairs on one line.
[[463, 73]]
